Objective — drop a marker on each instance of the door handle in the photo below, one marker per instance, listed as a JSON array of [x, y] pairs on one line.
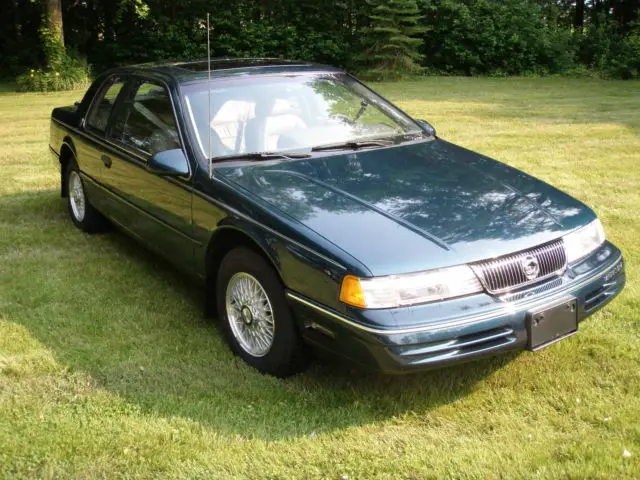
[[106, 160]]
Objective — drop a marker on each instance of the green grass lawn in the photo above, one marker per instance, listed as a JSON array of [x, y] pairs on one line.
[[108, 369]]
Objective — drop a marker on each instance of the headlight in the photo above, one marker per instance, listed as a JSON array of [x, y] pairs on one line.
[[409, 289], [582, 242]]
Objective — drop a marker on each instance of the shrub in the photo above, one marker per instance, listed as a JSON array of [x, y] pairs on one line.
[[491, 37], [606, 49], [69, 74], [624, 61]]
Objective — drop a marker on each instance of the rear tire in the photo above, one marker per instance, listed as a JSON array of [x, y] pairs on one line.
[[82, 213], [255, 317]]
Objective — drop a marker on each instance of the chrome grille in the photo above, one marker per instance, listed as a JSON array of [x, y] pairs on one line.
[[517, 270]]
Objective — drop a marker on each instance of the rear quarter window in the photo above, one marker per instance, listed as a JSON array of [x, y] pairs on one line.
[[103, 104]]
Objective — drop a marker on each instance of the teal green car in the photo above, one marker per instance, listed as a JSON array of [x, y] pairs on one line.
[[323, 219]]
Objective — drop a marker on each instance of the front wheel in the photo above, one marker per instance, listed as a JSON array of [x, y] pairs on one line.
[[255, 316]]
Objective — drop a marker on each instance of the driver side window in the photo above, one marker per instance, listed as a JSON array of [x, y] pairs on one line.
[[146, 121]]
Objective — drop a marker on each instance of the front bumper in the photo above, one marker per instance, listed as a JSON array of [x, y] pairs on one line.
[[449, 332]]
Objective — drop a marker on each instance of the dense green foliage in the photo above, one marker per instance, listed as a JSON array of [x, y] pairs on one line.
[[487, 37], [484, 36]]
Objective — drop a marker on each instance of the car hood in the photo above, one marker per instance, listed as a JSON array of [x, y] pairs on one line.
[[414, 207]]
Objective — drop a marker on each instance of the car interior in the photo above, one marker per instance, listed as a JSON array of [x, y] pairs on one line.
[[244, 124]]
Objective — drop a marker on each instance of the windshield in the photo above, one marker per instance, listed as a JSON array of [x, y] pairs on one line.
[[288, 113]]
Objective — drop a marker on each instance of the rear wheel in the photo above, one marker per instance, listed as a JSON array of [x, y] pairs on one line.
[[256, 319], [82, 213]]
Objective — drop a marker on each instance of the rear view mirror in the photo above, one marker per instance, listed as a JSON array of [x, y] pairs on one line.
[[171, 163], [427, 127]]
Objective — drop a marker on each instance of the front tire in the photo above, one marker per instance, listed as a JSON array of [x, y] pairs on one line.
[[82, 213], [255, 317]]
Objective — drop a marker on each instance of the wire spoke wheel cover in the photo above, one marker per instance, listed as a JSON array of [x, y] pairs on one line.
[[250, 314], [76, 196]]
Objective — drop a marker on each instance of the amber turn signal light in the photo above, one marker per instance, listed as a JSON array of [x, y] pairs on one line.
[[351, 292]]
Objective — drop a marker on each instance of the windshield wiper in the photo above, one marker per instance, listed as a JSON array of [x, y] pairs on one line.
[[353, 145], [363, 107], [259, 156]]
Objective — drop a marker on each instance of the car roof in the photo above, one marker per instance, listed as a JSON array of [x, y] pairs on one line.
[[197, 70]]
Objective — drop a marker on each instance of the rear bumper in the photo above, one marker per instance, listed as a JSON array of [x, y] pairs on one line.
[[444, 333]]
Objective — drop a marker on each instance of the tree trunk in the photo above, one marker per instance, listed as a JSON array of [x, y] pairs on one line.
[[54, 16], [579, 17]]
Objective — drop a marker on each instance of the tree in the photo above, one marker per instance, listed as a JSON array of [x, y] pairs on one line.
[[54, 19], [53, 35], [579, 17], [392, 48]]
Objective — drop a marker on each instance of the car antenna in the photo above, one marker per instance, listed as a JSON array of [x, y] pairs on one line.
[[210, 156]]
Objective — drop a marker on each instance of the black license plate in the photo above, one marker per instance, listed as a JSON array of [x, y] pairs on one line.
[[552, 324]]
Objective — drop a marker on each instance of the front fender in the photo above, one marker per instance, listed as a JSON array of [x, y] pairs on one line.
[[300, 267]]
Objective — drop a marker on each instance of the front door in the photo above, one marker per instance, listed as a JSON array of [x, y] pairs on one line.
[[158, 208]]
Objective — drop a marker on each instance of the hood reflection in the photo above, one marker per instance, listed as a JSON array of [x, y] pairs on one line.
[[459, 200]]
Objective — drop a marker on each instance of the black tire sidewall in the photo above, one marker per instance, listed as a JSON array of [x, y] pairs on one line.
[[285, 356]]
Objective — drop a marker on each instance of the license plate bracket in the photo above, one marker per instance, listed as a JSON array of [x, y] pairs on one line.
[[551, 324]]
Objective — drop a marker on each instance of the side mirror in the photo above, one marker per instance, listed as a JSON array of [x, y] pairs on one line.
[[427, 127], [170, 163]]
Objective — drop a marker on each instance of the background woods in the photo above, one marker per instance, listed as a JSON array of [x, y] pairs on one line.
[[382, 37]]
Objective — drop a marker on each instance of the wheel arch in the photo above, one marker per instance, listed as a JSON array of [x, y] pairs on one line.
[[225, 239], [67, 154]]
